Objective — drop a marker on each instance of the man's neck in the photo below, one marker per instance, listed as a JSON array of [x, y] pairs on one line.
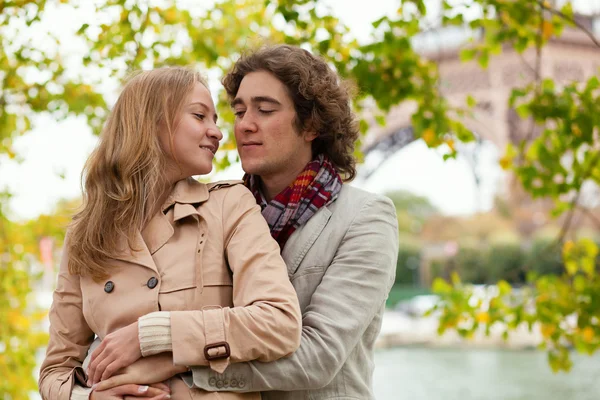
[[274, 184]]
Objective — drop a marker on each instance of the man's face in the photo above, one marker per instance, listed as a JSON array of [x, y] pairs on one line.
[[264, 128]]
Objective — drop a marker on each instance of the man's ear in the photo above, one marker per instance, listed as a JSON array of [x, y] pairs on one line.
[[309, 136]]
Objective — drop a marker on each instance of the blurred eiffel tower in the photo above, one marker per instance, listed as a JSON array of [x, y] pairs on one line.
[[570, 57]]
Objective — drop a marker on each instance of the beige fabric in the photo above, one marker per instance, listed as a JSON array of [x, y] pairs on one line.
[[80, 393], [208, 248], [155, 333]]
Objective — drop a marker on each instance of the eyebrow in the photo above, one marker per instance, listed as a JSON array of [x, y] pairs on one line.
[[215, 116], [255, 100]]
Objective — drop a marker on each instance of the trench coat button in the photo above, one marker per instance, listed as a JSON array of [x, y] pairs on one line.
[[109, 286], [219, 384], [241, 384], [233, 383], [152, 282], [212, 381]]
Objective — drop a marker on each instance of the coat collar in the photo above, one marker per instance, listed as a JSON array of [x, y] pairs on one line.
[[183, 200], [186, 191]]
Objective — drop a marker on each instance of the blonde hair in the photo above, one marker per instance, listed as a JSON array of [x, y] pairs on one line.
[[124, 177]]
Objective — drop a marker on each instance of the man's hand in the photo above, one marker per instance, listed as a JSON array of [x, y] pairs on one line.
[[147, 370], [118, 350], [158, 391]]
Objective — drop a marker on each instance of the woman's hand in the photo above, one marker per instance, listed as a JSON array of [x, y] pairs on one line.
[[158, 391], [151, 369], [118, 350]]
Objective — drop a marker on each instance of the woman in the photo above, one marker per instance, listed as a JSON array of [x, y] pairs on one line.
[[154, 253]]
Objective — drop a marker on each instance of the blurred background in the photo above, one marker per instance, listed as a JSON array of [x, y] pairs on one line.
[[480, 121]]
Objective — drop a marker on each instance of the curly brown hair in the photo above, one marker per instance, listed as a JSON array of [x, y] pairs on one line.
[[321, 99]]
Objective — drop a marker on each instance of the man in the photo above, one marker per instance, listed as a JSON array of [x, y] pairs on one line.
[[295, 133]]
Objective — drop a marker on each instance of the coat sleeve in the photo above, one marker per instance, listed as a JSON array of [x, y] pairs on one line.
[[356, 285], [70, 337], [265, 322]]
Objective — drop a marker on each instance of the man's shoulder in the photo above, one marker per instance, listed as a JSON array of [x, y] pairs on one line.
[[351, 197]]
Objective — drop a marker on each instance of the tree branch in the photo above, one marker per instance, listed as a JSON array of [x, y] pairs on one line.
[[567, 225], [570, 20]]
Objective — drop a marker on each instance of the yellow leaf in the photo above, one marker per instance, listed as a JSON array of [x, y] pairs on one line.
[[428, 136], [450, 144], [590, 248], [171, 16], [547, 330], [571, 267], [455, 278], [483, 317], [440, 286], [505, 162], [588, 266], [547, 30], [568, 248], [504, 287], [587, 334]]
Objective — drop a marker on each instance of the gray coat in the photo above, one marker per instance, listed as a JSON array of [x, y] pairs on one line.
[[342, 264]]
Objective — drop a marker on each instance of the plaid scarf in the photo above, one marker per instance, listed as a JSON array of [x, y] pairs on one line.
[[316, 186]]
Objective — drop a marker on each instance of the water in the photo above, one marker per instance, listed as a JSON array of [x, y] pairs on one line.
[[443, 374]]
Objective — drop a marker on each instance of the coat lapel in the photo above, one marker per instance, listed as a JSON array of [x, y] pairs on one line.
[[157, 232], [303, 239], [185, 196], [139, 255]]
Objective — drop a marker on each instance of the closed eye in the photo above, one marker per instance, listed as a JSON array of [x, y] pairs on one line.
[[239, 113], [265, 111]]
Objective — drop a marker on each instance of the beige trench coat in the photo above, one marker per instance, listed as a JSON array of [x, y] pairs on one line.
[[210, 260]]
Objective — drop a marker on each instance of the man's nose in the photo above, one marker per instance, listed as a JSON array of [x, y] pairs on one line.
[[246, 123]]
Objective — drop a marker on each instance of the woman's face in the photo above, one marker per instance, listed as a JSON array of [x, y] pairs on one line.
[[196, 137]]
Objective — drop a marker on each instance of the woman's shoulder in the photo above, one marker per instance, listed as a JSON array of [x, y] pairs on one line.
[[230, 193], [238, 184]]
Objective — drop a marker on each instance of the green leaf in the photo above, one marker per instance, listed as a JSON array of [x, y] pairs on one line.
[[523, 111], [467, 54], [579, 283], [593, 83], [484, 58], [590, 248], [504, 288], [571, 267], [82, 28], [471, 102], [440, 286]]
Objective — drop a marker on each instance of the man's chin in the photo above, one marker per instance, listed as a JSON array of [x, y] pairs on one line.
[[252, 168]]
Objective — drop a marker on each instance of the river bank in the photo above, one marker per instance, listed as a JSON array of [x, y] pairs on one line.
[[399, 329]]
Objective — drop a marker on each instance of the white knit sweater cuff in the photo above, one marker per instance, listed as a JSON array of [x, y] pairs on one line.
[[80, 393], [155, 333]]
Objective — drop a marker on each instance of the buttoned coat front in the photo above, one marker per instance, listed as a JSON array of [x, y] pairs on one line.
[[208, 257]]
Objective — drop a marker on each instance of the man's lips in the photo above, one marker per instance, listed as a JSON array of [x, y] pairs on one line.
[[250, 145]]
